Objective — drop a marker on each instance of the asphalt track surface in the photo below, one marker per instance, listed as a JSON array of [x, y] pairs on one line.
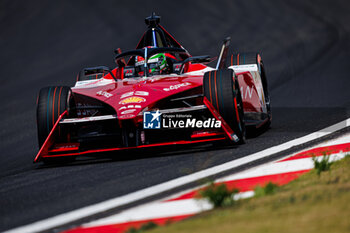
[[305, 47]]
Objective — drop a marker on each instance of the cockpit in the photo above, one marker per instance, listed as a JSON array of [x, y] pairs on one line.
[[157, 53]]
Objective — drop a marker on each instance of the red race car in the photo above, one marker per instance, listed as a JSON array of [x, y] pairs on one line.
[[158, 95]]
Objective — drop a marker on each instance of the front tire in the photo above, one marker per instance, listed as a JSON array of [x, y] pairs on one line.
[[221, 88], [52, 102]]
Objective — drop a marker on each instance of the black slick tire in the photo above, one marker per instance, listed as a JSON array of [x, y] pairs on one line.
[[52, 102], [221, 88]]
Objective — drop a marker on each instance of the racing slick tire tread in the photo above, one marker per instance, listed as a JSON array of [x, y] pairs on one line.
[[221, 88], [51, 103]]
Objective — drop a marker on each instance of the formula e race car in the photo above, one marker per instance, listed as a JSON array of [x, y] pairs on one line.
[[158, 95]]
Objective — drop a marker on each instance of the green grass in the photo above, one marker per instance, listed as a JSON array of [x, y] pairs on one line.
[[269, 189], [313, 204], [322, 165], [145, 227], [218, 195]]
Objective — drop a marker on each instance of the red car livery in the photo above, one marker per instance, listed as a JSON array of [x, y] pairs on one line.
[[157, 95]]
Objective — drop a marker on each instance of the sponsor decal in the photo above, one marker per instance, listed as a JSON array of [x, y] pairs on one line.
[[177, 86], [104, 93], [151, 120], [93, 83], [139, 93], [129, 106], [91, 118], [248, 93], [157, 120], [127, 94], [134, 106], [66, 145], [128, 111], [82, 111], [128, 73], [126, 116], [191, 123], [139, 63], [84, 82], [133, 99], [242, 68], [177, 67], [153, 79]]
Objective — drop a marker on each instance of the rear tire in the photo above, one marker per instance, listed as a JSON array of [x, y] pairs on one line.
[[221, 88]]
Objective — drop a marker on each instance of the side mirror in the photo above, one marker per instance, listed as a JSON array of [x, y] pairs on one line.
[[196, 59], [98, 70]]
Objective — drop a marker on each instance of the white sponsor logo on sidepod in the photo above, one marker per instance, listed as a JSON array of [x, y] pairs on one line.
[[126, 116], [104, 93], [93, 83], [130, 106], [128, 111], [177, 86], [139, 93]]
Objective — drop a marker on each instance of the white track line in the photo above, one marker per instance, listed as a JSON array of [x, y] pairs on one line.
[[155, 210], [273, 167], [336, 141], [75, 215], [160, 209], [278, 168]]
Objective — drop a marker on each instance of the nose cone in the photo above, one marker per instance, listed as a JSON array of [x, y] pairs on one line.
[[132, 97]]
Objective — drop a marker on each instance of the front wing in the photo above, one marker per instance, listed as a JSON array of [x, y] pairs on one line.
[[53, 149]]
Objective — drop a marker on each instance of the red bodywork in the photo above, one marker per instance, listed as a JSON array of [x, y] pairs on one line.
[[155, 87], [129, 97]]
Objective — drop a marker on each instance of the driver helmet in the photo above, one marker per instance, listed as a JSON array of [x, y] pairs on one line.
[[157, 63]]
